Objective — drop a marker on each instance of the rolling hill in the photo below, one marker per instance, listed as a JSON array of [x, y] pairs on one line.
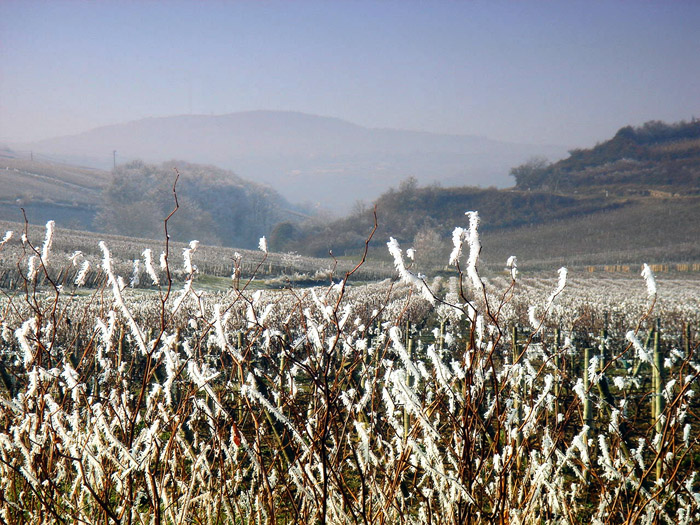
[[306, 158], [49, 190], [540, 228], [656, 156], [216, 205], [581, 210], [584, 211]]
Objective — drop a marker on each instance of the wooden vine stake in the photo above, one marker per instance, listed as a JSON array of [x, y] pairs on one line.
[[658, 404], [516, 398], [587, 405]]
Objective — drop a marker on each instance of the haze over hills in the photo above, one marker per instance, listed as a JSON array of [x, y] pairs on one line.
[[633, 197], [215, 205], [48, 190], [307, 158]]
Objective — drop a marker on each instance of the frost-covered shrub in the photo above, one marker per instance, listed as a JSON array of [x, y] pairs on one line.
[[405, 401]]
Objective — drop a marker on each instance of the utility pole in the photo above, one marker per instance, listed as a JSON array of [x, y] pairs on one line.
[[114, 156]]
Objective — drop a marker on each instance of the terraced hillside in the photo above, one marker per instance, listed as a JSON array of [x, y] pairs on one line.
[[48, 190]]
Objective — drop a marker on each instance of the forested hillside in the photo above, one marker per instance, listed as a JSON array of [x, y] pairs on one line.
[[655, 156], [614, 187], [633, 194], [425, 215], [537, 227], [216, 206]]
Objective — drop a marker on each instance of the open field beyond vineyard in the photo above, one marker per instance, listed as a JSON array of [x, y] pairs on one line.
[[367, 398]]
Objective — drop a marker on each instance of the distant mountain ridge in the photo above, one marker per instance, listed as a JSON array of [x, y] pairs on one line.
[[305, 157]]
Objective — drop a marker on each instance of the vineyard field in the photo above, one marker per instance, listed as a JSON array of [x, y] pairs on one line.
[[130, 393]]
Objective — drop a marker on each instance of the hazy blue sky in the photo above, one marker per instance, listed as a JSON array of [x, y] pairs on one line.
[[560, 72]]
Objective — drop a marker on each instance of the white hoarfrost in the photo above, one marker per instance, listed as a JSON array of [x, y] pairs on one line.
[[406, 275]]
